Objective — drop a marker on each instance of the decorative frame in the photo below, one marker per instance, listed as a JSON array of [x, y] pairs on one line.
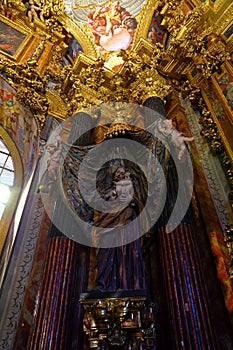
[[18, 33], [31, 42]]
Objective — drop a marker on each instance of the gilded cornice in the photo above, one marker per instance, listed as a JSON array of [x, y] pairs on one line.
[[150, 84], [29, 86], [90, 82]]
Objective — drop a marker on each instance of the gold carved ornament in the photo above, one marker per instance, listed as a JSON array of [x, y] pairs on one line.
[[134, 82], [29, 86]]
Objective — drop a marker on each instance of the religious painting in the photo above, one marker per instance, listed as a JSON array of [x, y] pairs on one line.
[[74, 48], [220, 100], [10, 38], [156, 33], [113, 27], [225, 82], [228, 92], [112, 23]]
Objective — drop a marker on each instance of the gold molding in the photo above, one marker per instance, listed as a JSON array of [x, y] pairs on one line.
[[218, 5], [82, 60], [27, 41], [224, 20], [229, 67]]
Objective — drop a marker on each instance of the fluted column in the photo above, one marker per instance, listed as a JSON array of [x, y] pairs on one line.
[[186, 292], [56, 296], [155, 104], [81, 127], [189, 309], [57, 320]]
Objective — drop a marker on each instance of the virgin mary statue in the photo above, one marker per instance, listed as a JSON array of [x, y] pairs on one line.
[[116, 189], [121, 266]]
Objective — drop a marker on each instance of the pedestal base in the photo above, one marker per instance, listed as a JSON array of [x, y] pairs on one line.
[[119, 320]]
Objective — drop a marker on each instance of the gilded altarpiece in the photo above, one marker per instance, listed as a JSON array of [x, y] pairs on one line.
[[90, 74]]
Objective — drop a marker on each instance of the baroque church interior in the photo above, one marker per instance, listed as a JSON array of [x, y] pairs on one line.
[[116, 177]]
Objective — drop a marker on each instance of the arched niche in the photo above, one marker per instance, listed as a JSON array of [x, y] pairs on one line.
[[6, 222]]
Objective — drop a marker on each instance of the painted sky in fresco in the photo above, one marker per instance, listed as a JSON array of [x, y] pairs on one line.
[[85, 6], [112, 23]]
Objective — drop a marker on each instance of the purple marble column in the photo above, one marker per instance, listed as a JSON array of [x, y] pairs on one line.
[[189, 310]]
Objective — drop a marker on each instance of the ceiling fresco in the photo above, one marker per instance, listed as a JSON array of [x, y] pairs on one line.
[[111, 23], [80, 9]]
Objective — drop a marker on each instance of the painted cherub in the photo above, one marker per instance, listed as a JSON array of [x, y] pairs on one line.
[[176, 137], [153, 36]]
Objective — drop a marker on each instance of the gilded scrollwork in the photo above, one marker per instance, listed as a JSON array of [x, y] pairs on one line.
[[135, 82], [29, 85], [57, 106], [209, 131]]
